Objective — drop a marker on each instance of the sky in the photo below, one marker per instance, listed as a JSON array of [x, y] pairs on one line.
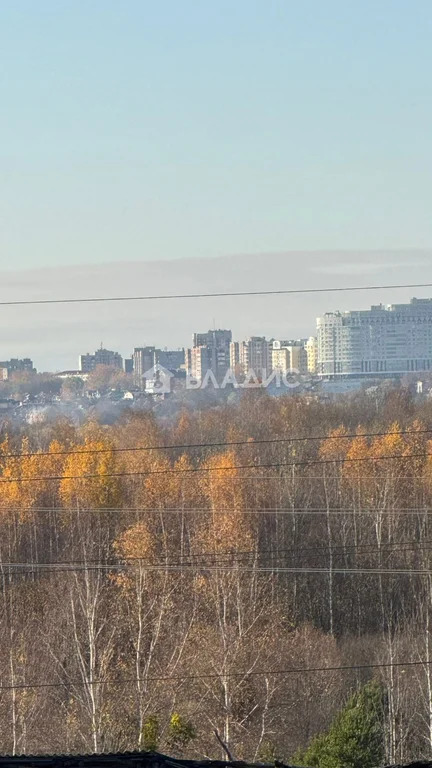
[[137, 132]]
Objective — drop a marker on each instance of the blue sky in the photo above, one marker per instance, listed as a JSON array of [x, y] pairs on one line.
[[139, 130]]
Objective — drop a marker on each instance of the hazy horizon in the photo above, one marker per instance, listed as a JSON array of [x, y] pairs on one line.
[[54, 336]]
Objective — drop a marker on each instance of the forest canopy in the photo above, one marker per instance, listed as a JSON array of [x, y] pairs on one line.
[[164, 578]]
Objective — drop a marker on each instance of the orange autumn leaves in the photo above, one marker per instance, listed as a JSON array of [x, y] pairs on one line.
[[84, 470], [400, 455], [67, 474]]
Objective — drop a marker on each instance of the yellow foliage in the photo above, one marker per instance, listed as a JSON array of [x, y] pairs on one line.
[[356, 471], [136, 542], [88, 480], [391, 444], [335, 448], [30, 468], [228, 528]]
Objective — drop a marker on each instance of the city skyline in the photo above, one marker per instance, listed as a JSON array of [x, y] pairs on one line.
[[54, 336], [391, 338]]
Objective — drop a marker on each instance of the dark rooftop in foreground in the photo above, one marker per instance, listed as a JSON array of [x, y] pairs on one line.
[[120, 759], [142, 760]]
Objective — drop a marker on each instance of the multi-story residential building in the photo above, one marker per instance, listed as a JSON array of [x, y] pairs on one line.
[[197, 362], [385, 340], [171, 359], [15, 365], [289, 356], [234, 355], [255, 355], [280, 357], [298, 356], [88, 362], [210, 352], [311, 348], [143, 360]]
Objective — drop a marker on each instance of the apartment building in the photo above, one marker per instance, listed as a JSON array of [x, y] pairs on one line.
[[172, 359], [289, 356], [255, 355], [143, 360], [234, 355], [210, 352], [15, 365], [88, 362], [311, 347], [280, 357], [385, 340]]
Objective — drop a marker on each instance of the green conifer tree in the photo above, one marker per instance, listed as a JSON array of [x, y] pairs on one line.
[[355, 738]]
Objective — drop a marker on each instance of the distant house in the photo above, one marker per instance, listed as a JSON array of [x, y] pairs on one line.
[[72, 375], [6, 403]]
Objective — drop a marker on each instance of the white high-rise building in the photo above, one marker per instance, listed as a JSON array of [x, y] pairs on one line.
[[393, 339]]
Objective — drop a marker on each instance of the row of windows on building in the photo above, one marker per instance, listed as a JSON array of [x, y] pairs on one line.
[[216, 351], [389, 340]]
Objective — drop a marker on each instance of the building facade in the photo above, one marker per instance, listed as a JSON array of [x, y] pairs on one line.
[[255, 355], [311, 347], [143, 360], [280, 357], [385, 340], [234, 355], [289, 356], [15, 365], [210, 352], [171, 359], [88, 362], [298, 357]]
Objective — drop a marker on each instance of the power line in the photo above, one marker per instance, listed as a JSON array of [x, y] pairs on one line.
[[189, 470], [219, 294], [218, 676], [221, 444], [364, 549], [284, 511], [23, 568]]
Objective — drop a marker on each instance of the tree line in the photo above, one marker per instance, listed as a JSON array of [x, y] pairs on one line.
[[163, 579]]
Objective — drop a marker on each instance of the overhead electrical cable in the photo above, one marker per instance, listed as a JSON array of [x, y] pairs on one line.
[[220, 444], [21, 568], [214, 295], [221, 468], [336, 549], [284, 511], [217, 676]]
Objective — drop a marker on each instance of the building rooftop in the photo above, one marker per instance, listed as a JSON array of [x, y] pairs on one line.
[[140, 760], [118, 760]]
